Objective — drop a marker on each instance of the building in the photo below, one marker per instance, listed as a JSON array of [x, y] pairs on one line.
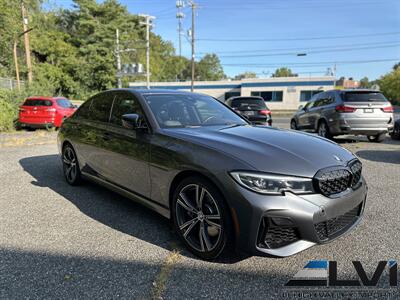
[[281, 93], [347, 83]]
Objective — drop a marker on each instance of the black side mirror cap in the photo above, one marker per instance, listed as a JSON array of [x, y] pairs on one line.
[[133, 121]]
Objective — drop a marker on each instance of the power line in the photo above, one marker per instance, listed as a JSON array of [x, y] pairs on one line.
[[299, 39], [302, 49], [311, 64], [310, 52]]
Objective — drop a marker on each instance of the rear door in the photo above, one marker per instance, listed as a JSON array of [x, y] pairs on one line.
[[37, 111], [371, 109]]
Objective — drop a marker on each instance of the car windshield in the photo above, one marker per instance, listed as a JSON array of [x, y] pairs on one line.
[[65, 103], [249, 103], [359, 96], [187, 110]]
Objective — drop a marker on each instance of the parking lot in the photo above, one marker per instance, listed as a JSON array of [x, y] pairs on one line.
[[58, 241]]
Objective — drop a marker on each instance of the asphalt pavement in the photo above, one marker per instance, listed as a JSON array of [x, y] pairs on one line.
[[64, 242]]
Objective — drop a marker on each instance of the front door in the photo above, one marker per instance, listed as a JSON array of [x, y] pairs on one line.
[[128, 150]]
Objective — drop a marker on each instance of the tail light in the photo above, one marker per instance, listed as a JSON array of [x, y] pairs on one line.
[[265, 112], [345, 109], [387, 109]]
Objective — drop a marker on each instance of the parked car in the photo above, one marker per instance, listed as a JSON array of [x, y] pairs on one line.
[[45, 112], [338, 112], [253, 108], [395, 134], [226, 184]]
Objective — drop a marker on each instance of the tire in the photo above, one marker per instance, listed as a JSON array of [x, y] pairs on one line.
[[71, 168], [380, 137], [395, 135], [202, 222], [323, 130], [293, 125]]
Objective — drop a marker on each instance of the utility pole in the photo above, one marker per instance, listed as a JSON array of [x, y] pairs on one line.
[[192, 32], [180, 4], [148, 24], [26, 38], [118, 59], [16, 64]]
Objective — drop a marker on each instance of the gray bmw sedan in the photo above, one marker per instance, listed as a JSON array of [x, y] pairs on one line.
[[226, 184]]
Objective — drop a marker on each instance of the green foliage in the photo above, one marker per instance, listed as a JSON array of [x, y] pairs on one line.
[[390, 85], [245, 75], [365, 83], [209, 68], [73, 50], [284, 72]]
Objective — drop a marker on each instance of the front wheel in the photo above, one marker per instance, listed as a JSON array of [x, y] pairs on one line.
[[201, 218], [376, 138], [71, 169], [293, 125]]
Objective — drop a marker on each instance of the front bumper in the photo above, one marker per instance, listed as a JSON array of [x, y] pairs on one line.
[[303, 221]]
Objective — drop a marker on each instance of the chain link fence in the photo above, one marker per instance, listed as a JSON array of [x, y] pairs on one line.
[[10, 83]]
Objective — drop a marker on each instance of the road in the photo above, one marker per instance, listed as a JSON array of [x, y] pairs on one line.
[[64, 242]]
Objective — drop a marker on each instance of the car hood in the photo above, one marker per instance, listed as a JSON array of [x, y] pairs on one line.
[[269, 149]]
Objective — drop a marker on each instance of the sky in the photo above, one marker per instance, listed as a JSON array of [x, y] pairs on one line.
[[360, 37]]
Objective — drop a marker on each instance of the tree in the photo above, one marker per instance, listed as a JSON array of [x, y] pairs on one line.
[[284, 72], [209, 68], [245, 75], [365, 83], [390, 85]]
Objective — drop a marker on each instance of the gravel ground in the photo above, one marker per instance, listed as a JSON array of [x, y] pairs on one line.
[[87, 242]]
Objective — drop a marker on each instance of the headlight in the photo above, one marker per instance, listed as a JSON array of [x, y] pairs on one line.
[[273, 184]]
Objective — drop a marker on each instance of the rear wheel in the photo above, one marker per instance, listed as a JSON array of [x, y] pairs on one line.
[[293, 125], [323, 130], [201, 218], [377, 138], [71, 169]]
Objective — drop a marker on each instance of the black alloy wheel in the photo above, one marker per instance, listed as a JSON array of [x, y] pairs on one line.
[[71, 169], [200, 217]]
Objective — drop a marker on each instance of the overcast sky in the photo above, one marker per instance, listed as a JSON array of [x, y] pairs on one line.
[[361, 36]]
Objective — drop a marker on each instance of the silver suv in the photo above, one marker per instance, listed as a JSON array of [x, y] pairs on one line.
[[338, 112]]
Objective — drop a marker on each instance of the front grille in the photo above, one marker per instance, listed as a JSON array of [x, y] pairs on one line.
[[272, 236], [335, 180], [331, 227], [356, 169]]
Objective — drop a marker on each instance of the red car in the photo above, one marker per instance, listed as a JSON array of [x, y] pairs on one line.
[[45, 112]]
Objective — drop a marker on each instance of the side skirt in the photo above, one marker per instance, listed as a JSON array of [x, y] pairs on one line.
[[132, 196]]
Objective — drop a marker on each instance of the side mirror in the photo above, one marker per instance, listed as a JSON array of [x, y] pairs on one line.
[[132, 121]]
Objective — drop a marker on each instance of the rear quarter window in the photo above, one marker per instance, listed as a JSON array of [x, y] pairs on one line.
[[37, 102], [65, 103]]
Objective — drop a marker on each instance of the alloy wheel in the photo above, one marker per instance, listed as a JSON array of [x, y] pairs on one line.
[[70, 165], [198, 218], [322, 129], [293, 125]]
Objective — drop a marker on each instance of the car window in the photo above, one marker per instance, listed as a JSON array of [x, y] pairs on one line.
[[124, 103], [37, 102], [65, 103], [182, 110], [248, 103], [83, 110], [363, 96], [101, 106]]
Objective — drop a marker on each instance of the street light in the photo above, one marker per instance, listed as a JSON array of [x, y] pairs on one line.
[[16, 56]]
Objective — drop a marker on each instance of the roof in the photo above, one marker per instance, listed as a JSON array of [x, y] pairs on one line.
[[153, 91], [44, 98]]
